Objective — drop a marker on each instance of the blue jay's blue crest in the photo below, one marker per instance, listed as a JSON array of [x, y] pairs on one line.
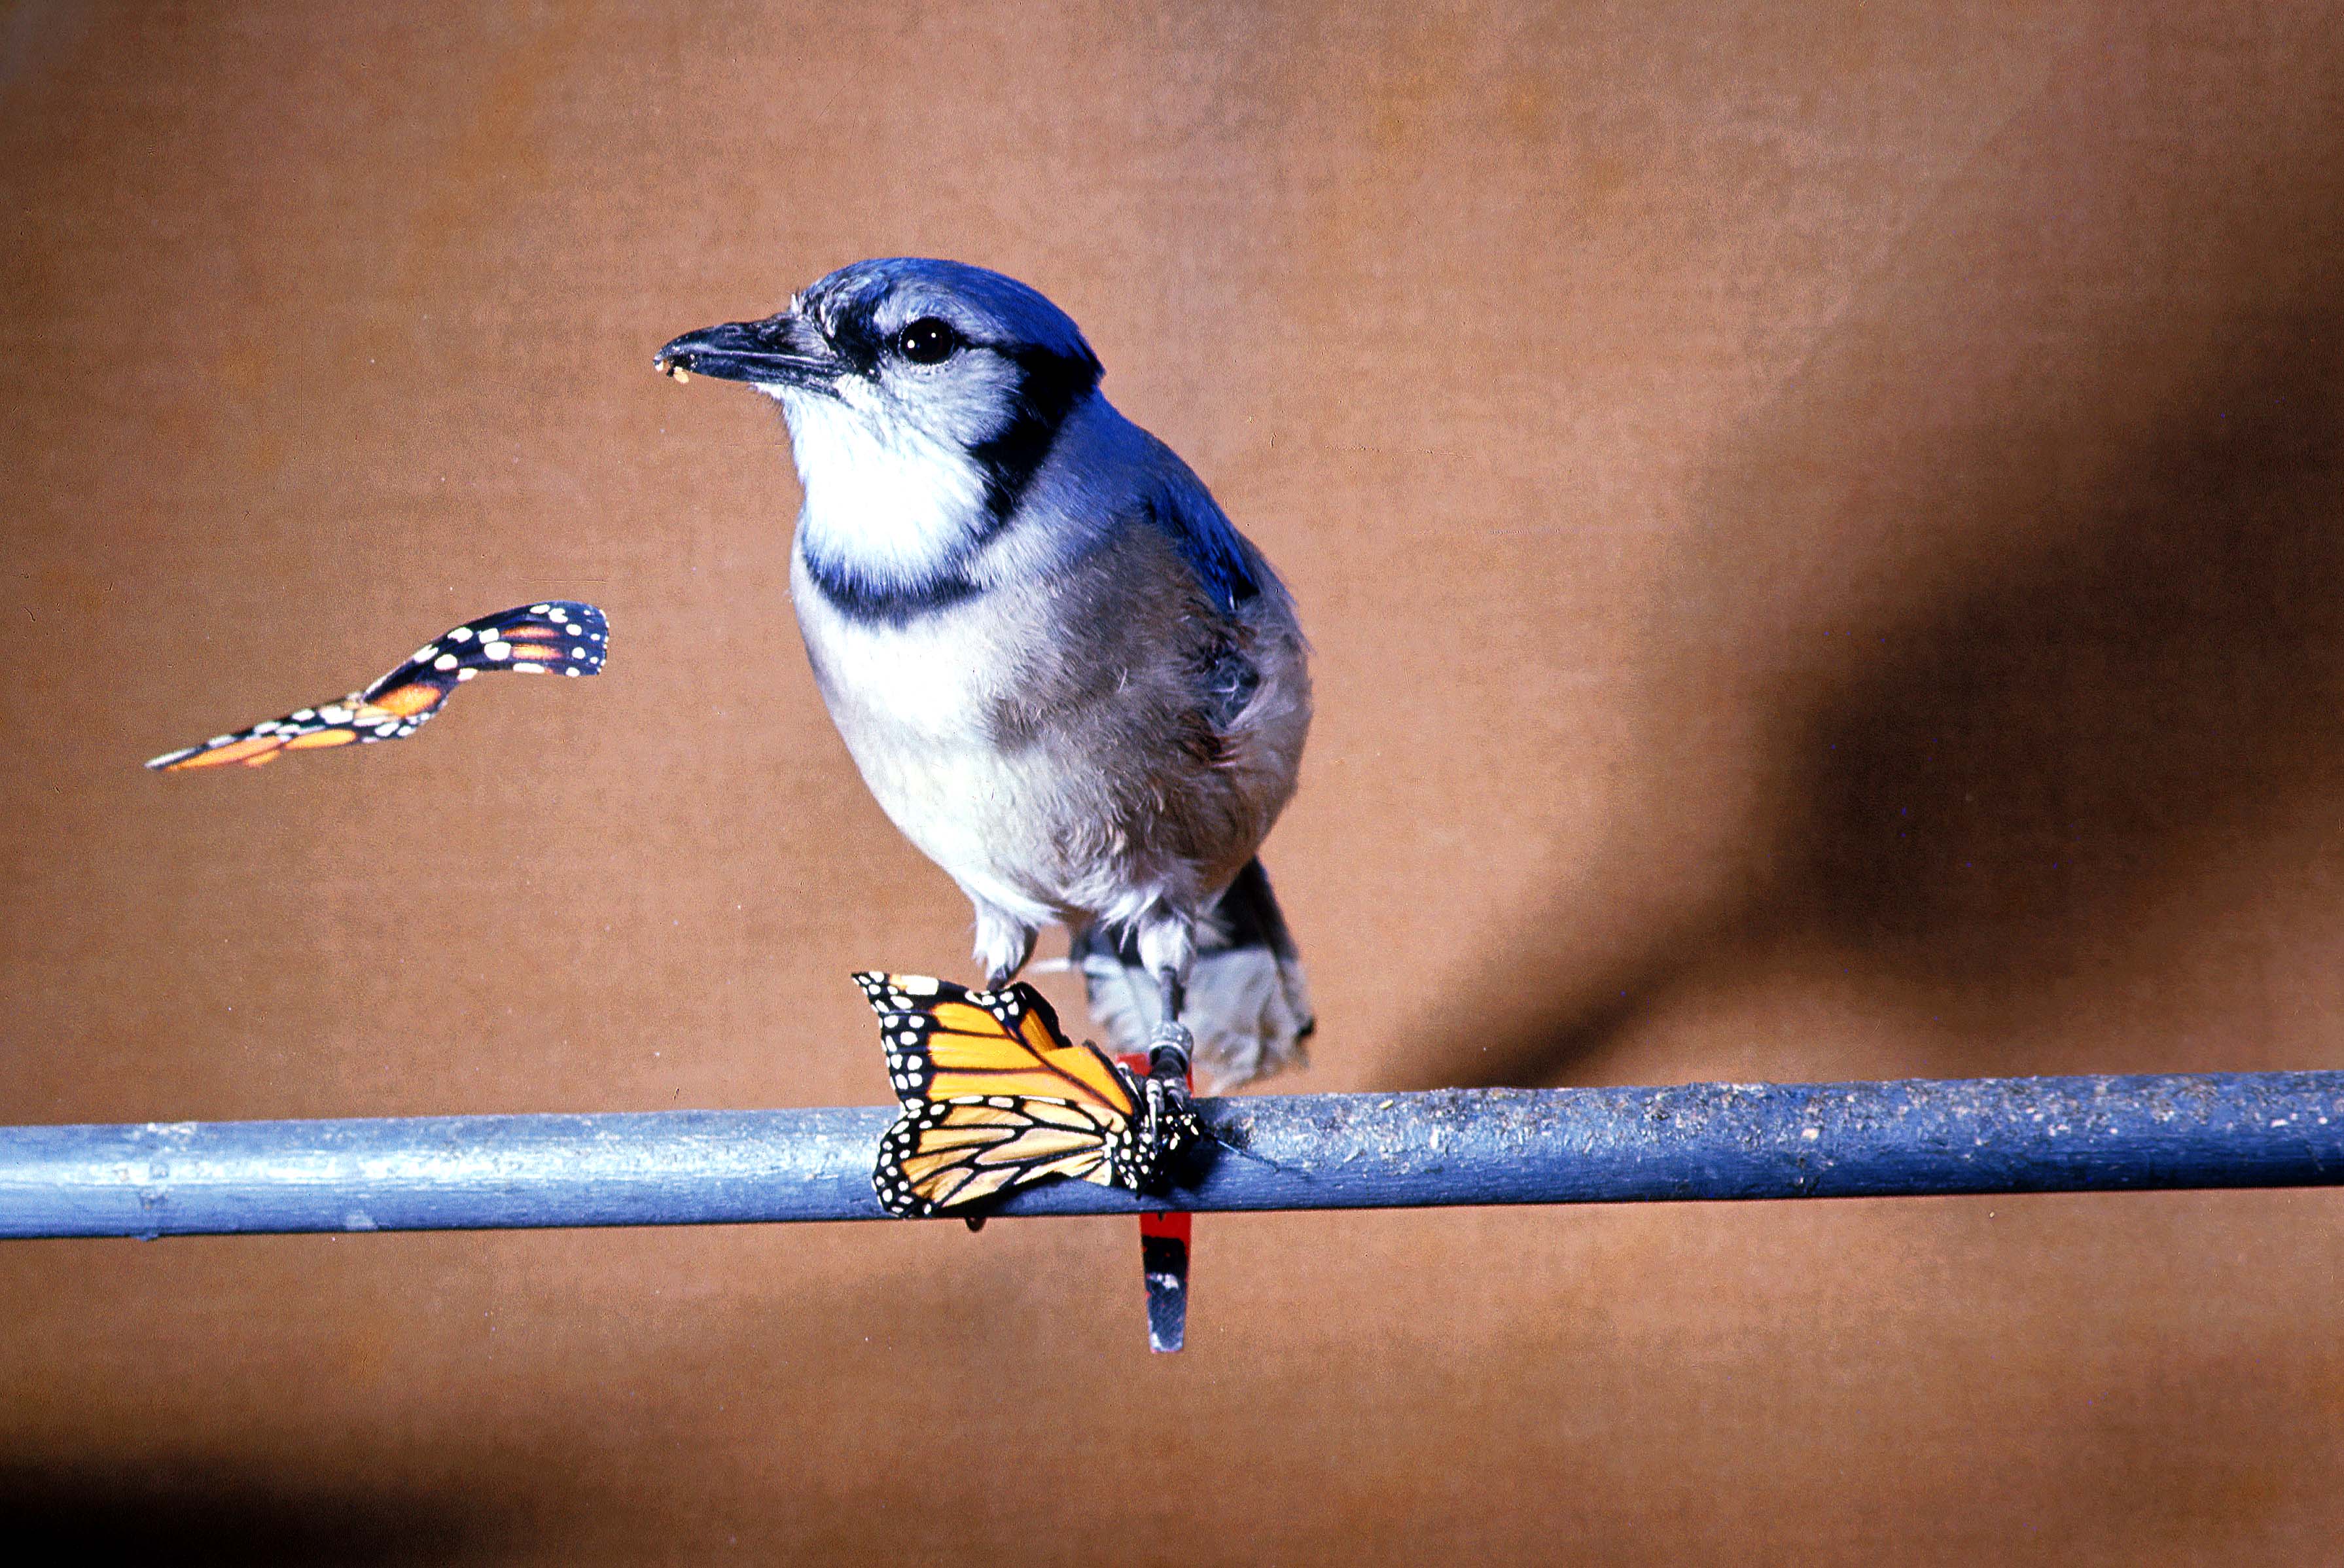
[[1064, 675], [873, 300], [886, 296]]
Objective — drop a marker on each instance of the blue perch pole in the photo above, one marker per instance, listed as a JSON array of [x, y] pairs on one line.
[[1697, 1142]]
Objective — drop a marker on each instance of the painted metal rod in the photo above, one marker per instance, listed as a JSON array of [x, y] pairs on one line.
[[1699, 1142]]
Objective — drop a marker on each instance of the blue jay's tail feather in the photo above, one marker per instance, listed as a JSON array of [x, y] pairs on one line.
[[1248, 1003]]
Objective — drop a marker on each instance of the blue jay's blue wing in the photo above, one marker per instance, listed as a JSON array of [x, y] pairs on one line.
[[1206, 541]]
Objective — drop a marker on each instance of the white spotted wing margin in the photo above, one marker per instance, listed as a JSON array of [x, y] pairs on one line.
[[984, 1149], [552, 637]]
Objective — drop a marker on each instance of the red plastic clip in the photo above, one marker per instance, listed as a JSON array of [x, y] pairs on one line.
[[1164, 1237]]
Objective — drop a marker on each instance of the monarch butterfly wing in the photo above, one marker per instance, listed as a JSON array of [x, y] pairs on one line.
[[944, 1042], [948, 1154], [328, 724], [558, 635]]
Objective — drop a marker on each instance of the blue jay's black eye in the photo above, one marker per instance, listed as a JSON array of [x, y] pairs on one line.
[[927, 341]]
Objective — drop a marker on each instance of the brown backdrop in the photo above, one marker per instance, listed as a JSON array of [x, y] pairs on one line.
[[1821, 531]]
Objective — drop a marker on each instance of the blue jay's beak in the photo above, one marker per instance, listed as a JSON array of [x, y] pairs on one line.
[[782, 350]]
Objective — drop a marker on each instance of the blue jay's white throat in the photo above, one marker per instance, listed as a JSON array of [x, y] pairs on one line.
[[886, 501], [1062, 672]]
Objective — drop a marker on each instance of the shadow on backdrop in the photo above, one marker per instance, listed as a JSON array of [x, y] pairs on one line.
[[171, 1515], [2029, 587]]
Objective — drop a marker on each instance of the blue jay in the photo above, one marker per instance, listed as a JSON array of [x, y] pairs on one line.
[[1063, 673]]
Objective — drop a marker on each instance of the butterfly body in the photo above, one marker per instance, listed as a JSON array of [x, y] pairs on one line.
[[995, 1097], [557, 637]]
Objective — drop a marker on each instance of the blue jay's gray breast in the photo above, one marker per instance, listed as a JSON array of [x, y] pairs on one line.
[[1077, 743]]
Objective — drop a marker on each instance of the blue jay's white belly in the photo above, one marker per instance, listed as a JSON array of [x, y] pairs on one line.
[[912, 704]]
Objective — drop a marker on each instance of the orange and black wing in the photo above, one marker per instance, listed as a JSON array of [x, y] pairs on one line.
[[947, 1154], [944, 1042], [557, 637], [995, 1096]]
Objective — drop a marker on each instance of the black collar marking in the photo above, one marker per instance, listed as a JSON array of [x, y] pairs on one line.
[[858, 598], [1049, 386]]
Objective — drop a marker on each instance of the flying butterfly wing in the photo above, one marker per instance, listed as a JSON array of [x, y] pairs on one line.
[[558, 636], [995, 1096]]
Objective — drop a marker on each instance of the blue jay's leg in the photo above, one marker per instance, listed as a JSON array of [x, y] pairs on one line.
[[1168, 947], [1168, 1051], [1245, 998]]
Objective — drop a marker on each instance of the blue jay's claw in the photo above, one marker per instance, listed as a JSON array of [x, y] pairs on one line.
[[1168, 1054]]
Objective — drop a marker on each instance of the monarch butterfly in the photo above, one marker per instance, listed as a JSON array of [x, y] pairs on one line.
[[995, 1096], [557, 637]]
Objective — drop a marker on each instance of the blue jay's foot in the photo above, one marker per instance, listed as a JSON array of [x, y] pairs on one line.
[[1169, 1109], [1168, 1054]]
